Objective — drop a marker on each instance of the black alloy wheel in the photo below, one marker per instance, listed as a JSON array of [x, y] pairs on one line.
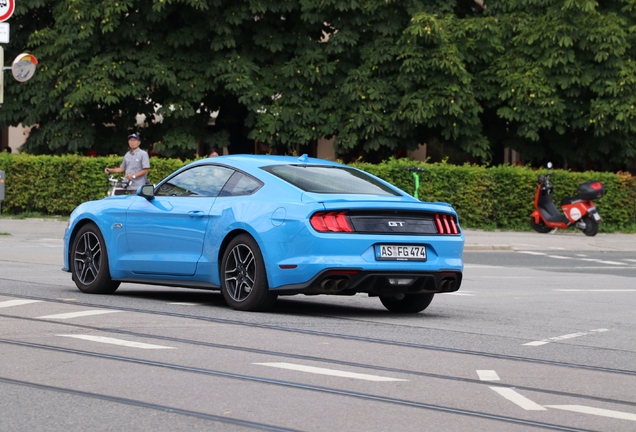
[[407, 303], [591, 226], [243, 278], [89, 262], [540, 227]]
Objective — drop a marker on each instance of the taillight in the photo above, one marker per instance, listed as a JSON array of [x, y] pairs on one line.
[[445, 224], [331, 222]]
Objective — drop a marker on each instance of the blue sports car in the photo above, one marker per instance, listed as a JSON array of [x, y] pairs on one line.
[[257, 227]]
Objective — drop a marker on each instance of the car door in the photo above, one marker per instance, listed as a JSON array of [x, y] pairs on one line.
[[165, 235]]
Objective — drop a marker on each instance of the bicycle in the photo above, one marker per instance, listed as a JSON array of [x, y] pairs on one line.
[[118, 186]]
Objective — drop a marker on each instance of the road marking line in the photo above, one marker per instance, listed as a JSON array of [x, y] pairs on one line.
[[531, 253], [78, 314], [595, 411], [557, 248], [518, 399], [488, 375], [564, 337], [332, 372], [596, 290], [559, 257], [603, 261], [457, 293], [10, 303], [630, 260], [187, 304], [113, 341]]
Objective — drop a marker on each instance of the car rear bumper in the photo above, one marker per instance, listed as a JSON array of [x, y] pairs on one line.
[[350, 281]]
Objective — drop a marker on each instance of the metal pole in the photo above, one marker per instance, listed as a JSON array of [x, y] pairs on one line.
[[1, 75]]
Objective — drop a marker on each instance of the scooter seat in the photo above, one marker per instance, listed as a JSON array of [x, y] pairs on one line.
[[569, 200]]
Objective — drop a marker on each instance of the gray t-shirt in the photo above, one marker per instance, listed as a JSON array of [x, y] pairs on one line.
[[132, 164]]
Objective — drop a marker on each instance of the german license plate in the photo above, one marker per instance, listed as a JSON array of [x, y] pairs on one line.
[[596, 216], [400, 252]]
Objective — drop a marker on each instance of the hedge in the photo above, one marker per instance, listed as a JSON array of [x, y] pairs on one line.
[[498, 197]]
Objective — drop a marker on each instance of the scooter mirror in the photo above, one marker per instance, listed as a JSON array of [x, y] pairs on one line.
[[549, 165]]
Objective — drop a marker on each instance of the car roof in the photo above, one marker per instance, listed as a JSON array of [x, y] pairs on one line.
[[257, 161]]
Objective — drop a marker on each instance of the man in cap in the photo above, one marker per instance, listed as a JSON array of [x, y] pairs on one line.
[[135, 164]]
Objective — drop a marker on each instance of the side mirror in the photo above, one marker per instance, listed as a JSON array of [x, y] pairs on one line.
[[146, 191], [549, 165]]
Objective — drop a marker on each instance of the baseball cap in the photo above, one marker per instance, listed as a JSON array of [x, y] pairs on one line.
[[134, 136]]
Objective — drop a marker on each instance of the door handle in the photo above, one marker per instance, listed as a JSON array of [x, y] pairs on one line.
[[195, 214]]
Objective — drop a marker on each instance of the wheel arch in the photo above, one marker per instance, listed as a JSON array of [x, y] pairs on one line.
[[231, 236]]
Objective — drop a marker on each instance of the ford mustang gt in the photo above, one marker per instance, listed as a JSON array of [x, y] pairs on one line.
[[259, 227]]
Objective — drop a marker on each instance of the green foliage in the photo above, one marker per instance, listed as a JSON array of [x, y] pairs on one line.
[[57, 184], [500, 197]]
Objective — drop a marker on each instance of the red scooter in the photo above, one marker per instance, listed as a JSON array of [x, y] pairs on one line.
[[578, 211]]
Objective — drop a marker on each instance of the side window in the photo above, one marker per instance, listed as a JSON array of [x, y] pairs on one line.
[[240, 184], [200, 181]]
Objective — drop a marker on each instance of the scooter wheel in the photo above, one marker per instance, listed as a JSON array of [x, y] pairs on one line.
[[539, 227], [591, 226]]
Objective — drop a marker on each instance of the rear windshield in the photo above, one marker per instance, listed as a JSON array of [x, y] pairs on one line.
[[330, 180]]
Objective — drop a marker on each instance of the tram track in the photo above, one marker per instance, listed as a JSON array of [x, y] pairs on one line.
[[147, 405], [293, 385], [385, 342], [321, 360]]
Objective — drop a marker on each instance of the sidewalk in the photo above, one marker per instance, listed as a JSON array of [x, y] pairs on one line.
[[572, 240], [51, 231]]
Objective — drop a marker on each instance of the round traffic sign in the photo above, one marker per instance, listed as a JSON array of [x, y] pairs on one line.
[[6, 9]]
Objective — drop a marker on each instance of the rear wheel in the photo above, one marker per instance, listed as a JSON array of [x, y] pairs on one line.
[[540, 227], [407, 303], [89, 262], [591, 226], [243, 278]]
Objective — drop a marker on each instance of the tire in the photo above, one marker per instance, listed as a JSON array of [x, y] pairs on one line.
[[243, 278], [89, 262], [407, 303], [591, 226], [540, 227]]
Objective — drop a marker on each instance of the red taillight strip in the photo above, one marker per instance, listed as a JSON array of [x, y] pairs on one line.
[[445, 224], [453, 225], [331, 222], [438, 224]]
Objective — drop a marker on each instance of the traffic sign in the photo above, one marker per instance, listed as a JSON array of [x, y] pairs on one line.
[[6, 9]]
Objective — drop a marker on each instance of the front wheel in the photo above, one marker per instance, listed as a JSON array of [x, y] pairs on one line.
[[243, 278], [591, 226], [89, 262], [540, 227], [407, 303]]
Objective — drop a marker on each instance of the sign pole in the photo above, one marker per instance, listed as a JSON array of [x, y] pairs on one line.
[[1, 75]]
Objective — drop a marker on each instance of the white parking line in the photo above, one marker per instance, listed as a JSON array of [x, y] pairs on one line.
[[113, 341], [518, 399], [10, 303], [531, 253], [78, 314], [564, 337], [595, 411], [488, 375], [630, 260], [332, 372]]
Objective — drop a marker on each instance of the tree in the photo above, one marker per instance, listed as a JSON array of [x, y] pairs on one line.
[[546, 77]]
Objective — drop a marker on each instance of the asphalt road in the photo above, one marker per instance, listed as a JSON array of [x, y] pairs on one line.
[[540, 336]]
